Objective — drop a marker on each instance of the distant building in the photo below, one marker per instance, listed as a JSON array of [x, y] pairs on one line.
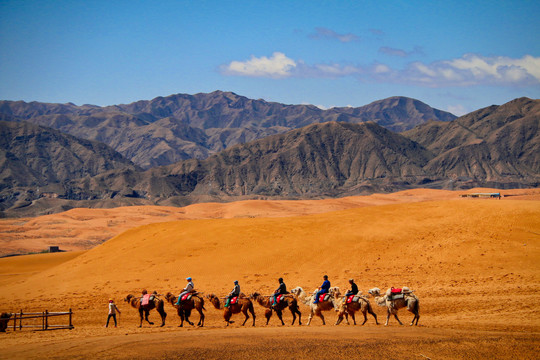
[[483, 195], [54, 249]]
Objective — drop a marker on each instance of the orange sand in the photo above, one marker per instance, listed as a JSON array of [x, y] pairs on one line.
[[474, 264], [82, 229]]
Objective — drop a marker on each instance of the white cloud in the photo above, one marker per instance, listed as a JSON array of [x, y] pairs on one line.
[[472, 69], [276, 66], [469, 70]]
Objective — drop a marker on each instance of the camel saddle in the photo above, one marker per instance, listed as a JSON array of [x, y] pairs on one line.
[[324, 297], [189, 295], [234, 300], [186, 297], [353, 298], [278, 299], [146, 298]]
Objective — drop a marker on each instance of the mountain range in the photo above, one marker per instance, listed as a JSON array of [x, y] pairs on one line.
[[168, 129], [301, 157]]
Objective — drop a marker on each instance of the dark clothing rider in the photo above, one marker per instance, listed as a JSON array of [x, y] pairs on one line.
[[353, 290], [282, 289]]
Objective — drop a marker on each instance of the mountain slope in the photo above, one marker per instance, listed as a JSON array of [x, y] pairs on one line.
[[165, 130], [36, 160], [319, 160], [491, 144]]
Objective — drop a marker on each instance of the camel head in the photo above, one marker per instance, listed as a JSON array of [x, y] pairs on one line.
[[169, 296], [128, 298], [375, 292], [297, 291], [214, 300], [254, 296], [334, 291]]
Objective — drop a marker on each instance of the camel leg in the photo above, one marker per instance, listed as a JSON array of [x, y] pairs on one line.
[[252, 311], [146, 314], [416, 317], [180, 313], [347, 318], [141, 315], [280, 316], [188, 314], [319, 314], [245, 312], [373, 314], [295, 310], [399, 321], [388, 313], [353, 317], [163, 316], [201, 318], [293, 313], [268, 315], [365, 316], [310, 317], [227, 317]]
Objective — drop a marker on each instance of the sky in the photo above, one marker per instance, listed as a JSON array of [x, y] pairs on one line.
[[457, 56]]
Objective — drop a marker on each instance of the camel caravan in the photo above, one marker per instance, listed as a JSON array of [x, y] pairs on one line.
[[323, 299]]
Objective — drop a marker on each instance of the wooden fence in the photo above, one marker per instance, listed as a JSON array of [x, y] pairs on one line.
[[18, 318]]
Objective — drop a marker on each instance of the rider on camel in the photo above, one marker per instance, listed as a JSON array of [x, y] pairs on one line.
[[353, 290], [234, 292], [189, 288], [282, 289], [323, 289]]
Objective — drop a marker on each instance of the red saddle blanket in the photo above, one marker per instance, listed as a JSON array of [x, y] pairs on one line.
[[351, 298], [145, 299], [396, 291], [234, 300], [324, 297], [186, 297], [278, 299]]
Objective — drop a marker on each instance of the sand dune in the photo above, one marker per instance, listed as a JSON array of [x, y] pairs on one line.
[[474, 263], [82, 229]]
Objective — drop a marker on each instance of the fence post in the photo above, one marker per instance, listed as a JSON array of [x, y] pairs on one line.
[[70, 326], [46, 319], [14, 321], [20, 321]]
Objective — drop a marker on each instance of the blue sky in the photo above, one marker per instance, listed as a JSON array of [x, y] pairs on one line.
[[457, 56]]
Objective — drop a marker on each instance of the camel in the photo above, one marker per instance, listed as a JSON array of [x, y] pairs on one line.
[[243, 305], [184, 311], [362, 305], [157, 303], [288, 301], [4, 319], [315, 309], [410, 301]]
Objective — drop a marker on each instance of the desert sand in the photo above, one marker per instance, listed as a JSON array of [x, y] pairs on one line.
[[473, 263]]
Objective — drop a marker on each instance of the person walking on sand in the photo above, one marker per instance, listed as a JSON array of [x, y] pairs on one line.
[[112, 312]]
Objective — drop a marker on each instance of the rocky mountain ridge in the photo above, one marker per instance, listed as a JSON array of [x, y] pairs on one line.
[[497, 146], [178, 127]]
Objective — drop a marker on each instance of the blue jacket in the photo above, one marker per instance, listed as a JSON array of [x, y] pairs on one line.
[[325, 286]]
